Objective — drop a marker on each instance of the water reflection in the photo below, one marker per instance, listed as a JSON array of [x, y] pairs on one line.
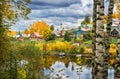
[[79, 72], [67, 68]]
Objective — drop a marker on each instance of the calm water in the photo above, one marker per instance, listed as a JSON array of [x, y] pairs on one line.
[[69, 68]]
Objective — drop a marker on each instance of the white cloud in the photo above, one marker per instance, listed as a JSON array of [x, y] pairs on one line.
[[56, 1], [85, 3], [22, 24], [77, 9]]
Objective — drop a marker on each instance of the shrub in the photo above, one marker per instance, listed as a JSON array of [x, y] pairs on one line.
[[74, 49], [51, 37]]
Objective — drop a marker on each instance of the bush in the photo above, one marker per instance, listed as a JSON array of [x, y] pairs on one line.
[[29, 51], [51, 37], [74, 49]]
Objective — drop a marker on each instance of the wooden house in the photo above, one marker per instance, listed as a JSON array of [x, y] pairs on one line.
[[35, 36], [114, 33]]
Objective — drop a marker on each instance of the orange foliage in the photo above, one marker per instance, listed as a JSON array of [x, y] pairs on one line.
[[105, 19], [115, 15], [112, 61], [38, 26], [12, 33], [26, 31]]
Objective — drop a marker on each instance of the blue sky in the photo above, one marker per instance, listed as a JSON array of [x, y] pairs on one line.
[[68, 12]]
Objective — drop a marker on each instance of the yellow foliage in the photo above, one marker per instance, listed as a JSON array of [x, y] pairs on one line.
[[40, 45], [57, 46], [87, 50], [11, 33], [22, 73], [46, 33], [113, 49], [38, 26], [63, 46], [105, 19]]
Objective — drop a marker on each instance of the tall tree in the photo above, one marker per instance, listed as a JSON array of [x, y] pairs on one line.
[[52, 27], [10, 10], [108, 34], [87, 19], [67, 36], [98, 42], [109, 25], [94, 38]]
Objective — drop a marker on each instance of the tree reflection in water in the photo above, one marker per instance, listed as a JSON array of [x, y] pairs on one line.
[[67, 68]]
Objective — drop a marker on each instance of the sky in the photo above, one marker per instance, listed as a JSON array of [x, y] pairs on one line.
[[68, 12]]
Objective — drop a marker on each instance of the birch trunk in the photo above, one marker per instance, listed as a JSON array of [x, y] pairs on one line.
[[94, 38], [108, 34], [98, 69], [117, 64]]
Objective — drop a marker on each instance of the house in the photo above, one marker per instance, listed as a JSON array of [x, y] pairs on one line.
[[57, 33], [115, 30], [20, 38], [114, 33], [78, 32], [35, 36]]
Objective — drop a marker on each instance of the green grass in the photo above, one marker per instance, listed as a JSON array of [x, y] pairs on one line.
[[86, 43], [113, 40]]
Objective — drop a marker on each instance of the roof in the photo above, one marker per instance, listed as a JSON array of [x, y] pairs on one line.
[[78, 32], [114, 31], [57, 33], [35, 34], [19, 33]]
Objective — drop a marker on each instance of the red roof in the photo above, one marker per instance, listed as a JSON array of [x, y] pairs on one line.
[[35, 35]]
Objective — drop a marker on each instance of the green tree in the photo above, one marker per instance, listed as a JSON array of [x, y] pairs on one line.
[[67, 36], [87, 19], [52, 27], [51, 37]]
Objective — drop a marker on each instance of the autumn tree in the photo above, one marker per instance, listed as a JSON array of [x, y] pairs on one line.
[[10, 10], [26, 31], [11, 33], [38, 26]]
